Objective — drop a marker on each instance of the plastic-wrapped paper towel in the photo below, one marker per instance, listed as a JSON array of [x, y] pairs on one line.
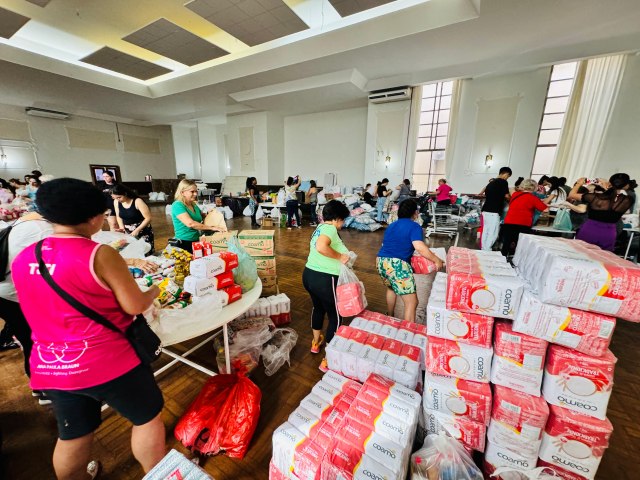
[[459, 398], [518, 359], [446, 357], [471, 434], [470, 328], [578, 382]]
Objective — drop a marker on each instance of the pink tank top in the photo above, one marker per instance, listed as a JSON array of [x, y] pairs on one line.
[[71, 351]]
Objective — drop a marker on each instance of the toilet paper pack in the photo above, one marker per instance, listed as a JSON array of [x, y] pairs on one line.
[[457, 397], [333, 352], [305, 422], [470, 328], [388, 358], [207, 267], [388, 386], [578, 382], [500, 456], [407, 370], [518, 359], [491, 295], [286, 440], [420, 341], [397, 430], [345, 462], [517, 421], [575, 442], [446, 357], [586, 332], [349, 354], [387, 403], [471, 434], [316, 406]]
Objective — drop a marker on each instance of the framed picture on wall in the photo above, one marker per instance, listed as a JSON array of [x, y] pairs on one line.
[[98, 170]]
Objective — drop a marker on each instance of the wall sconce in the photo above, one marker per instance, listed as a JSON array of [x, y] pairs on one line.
[[387, 161], [488, 161], [3, 156]]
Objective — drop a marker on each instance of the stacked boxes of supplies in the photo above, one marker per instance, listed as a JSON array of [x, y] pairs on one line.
[[260, 244]]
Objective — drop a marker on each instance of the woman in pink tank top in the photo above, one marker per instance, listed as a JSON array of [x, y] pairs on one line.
[[76, 361]]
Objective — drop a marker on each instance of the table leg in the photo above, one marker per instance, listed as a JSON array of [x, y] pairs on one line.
[[626, 253], [227, 358]]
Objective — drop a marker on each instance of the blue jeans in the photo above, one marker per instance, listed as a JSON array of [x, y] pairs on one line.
[[314, 217], [379, 207]]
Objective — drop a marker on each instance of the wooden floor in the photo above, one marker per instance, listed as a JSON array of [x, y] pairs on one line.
[[29, 430]]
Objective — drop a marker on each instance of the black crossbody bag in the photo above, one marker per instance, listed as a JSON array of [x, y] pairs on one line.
[[144, 341]]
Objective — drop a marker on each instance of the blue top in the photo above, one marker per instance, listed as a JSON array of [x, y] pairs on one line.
[[398, 239]]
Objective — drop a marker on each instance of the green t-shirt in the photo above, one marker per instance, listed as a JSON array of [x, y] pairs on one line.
[[319, 262], [182, 231]]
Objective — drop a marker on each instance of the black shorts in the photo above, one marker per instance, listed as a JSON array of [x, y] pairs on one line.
[[134, 395]]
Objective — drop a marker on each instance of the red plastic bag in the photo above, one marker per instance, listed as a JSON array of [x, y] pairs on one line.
[[222, 418], [350, 295], [422, 265]]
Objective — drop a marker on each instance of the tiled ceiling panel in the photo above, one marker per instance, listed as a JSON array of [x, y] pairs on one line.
[[126, 64], [169, 40], [11, 22], [251, 21], [42, 3], [349, 7]]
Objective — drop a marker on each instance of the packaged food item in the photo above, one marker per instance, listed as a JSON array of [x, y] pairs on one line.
[[218, 240], [207, 267], [232, 294], [198, 287], [316, 406], [518, 359], [586, 332], [446, 357], [470, 328], [457, 397], [471, 434], [201, 249], [578, 382], [574, 442], [517, 421], [230, 260]]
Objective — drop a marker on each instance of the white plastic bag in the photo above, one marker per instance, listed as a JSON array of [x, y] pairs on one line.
[[277, 351], [443, 458], [125, 244], [244, 352], [228, 213], [161, 197], [167, 209], [153, 196], [281, 197], [275, 213], [321, 198], [350, 295], [247, 211], [259, 213]]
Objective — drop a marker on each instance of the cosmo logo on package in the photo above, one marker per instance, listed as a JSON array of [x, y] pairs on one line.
[[446, 357], [457, 397]]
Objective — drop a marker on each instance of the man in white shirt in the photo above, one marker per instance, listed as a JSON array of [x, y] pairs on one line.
[[28, 230]]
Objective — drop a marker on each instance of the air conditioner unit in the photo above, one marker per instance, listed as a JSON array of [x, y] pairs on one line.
[[390, 95], [42, 112]]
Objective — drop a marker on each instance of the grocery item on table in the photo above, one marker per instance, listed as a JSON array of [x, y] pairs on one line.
[[517, 422], [207, 267], [231, 294], [578, 382], [201, 249], [457, 397], [489, 289], [578, 275], [246, 273], [518, 359], [586, 332], [390, 387], [198, 287], [471, 434], [574, 443], [446, 357]]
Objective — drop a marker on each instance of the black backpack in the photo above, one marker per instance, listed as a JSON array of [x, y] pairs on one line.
[[4, 252]]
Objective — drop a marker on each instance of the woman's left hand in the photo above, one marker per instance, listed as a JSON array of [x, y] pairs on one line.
[[145, 265]]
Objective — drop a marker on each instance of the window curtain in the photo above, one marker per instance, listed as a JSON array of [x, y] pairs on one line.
[[412, 139], [454, 115], [594, 95]]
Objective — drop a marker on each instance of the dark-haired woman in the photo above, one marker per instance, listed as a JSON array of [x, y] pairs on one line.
[[405, 190], [603, 210], [382, 193], [106, 185], [401, 239], [312, 200], [254, 199], [291, 199], [327, 253], [133, 215], [93, 364]]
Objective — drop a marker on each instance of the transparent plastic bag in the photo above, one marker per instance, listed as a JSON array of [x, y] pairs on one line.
[[276, 352], [563, 220], [246, 273], [443, 458], [125, 244], [350, 295], [245, 350]]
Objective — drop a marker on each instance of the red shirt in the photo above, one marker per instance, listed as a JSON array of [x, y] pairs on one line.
[[522, 208]]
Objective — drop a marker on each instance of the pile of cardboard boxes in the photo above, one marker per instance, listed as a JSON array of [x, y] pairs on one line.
[[260, 244]]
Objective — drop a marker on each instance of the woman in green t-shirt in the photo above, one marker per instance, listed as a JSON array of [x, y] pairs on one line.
[[186, 215], [326, 255]]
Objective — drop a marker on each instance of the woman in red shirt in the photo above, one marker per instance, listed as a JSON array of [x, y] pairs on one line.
[[519, 218]]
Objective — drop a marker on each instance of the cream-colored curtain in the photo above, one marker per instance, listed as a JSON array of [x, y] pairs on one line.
[[454, 115], [588, 116], [412, 138]]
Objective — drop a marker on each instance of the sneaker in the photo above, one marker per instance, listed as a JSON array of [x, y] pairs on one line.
[[94, 468], [299, 226], [324, 367], [288, 228], [10, 345], [315, 347], [41, 396], [313, 224]]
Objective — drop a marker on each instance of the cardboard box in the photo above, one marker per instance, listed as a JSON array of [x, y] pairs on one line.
[[267, 222], [218, 240], [258, 243], [269, 285], [266, 266]]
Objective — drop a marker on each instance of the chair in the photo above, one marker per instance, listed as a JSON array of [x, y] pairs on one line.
[[444, 222]]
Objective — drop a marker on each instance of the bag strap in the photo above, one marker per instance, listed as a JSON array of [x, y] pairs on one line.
[[86, 311]]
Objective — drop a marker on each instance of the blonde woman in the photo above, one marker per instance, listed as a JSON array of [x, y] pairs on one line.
[[186, 215]]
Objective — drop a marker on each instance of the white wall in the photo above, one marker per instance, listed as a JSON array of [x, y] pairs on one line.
[[510, 137], [387, 135], [275, 148], [257, 122], [326, 142], [187, 150], [57, 158], [621, 149]]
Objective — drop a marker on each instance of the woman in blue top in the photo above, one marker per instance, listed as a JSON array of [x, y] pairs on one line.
[[186, 215], [401, 239]]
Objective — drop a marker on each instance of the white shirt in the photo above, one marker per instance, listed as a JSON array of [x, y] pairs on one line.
[[290, 192], [24, 233]]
